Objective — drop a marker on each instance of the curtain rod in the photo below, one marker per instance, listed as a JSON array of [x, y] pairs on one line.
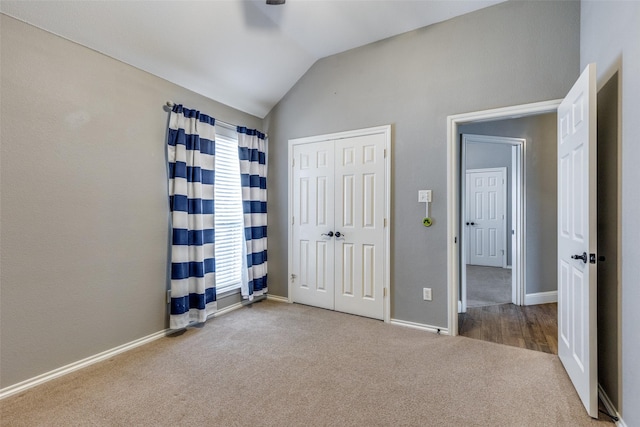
[[225, 124]]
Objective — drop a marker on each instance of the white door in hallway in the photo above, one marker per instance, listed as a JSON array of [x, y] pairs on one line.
[[338, 224], [577, 271], [486, 223]]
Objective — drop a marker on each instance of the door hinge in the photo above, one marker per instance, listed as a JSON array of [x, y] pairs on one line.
[[385, 222], [385, 153], [455, 240], [293, 220], [293, 162], [384, 292], [169, 296]]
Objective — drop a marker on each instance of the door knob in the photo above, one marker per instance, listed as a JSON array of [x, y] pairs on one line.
[[338, 234], [330, 234], [473, 223], [583, 257]]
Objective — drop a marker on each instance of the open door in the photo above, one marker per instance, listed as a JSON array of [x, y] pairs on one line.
[[577, 316]]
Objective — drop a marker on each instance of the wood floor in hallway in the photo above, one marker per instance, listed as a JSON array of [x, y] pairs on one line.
[[534, 327]]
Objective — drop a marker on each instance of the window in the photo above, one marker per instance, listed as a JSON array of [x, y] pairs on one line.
[[229, 217]]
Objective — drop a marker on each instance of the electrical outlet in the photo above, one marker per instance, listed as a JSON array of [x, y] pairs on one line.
[[426, 294]]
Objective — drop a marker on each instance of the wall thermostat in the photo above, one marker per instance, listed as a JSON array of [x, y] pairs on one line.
[[424, 196]]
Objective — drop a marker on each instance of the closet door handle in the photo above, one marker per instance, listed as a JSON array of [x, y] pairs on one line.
[[338, 234], [330, 234]]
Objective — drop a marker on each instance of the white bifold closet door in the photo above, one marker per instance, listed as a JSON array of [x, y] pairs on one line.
[[338, 200]]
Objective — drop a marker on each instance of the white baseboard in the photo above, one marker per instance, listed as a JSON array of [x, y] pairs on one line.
[[75, 366], [609, 406], [421, 326], [277, 298], [226, 310], [541, 298]]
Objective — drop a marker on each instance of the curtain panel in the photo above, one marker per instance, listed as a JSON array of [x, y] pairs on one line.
[[252, 148], [191, 173]]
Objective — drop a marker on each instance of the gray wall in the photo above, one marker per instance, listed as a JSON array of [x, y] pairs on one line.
[[610, 37], [508, 54], [488, 155], [84, 200], [541, 218]]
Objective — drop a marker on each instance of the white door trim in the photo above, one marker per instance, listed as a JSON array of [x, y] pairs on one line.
[[386, 131], [453, 185]]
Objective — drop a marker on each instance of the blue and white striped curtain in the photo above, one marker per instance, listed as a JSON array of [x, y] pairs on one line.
[[191, 158], [252, 148]]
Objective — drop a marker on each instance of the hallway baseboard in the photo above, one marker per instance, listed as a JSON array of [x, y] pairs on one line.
[[541, 298]]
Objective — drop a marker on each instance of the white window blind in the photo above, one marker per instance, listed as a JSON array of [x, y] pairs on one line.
[[229, 218]]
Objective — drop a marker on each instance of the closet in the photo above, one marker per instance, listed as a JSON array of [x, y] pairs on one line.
[[338, 221]]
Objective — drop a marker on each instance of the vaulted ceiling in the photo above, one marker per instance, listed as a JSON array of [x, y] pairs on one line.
[[245, 54]]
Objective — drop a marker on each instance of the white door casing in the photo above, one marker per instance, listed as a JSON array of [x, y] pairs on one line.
[[339, 185], [486, 222], [577, 290]]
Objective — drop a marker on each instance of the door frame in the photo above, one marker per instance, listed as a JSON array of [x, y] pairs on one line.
[[453, 186], [518, 215], [385, 130]]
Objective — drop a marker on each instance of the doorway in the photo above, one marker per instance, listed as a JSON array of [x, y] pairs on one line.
[[492, 198], [513, 312], [487, 278], [538, 280]]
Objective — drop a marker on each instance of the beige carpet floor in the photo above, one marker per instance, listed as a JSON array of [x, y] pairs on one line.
[[305, 366]]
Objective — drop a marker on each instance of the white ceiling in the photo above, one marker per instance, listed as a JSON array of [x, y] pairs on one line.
[[245, 54]]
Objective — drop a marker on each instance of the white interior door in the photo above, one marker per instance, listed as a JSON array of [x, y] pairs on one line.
[[486, 195], [338, 206], [313, 220], [577, 272], [359, 201]]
